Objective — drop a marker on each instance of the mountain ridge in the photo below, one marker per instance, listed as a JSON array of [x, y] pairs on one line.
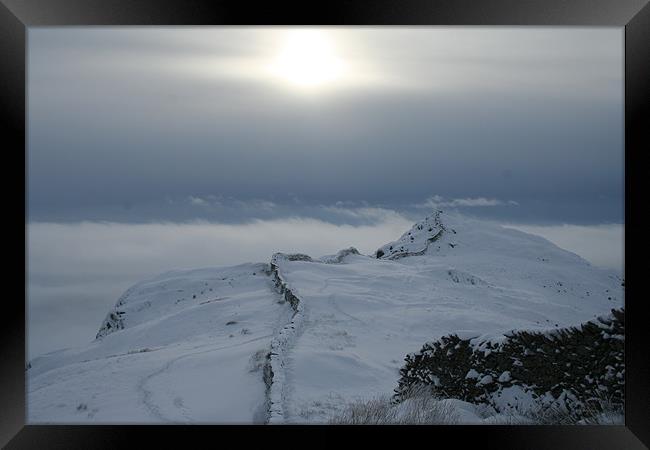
[[306, 334]]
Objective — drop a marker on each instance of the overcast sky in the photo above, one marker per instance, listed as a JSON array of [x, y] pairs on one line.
[[156, 148], [129, 123]]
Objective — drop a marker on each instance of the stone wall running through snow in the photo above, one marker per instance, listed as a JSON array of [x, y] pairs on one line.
[[274, 373]]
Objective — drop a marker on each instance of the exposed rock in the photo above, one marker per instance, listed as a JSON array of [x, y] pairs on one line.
[[338, 258], [416, 241]]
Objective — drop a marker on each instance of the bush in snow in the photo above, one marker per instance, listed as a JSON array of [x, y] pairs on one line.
[[572, 368]]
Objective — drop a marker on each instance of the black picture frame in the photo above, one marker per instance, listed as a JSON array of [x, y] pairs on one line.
[[17, 15]]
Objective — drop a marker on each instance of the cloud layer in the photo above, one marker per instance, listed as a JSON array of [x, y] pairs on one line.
[[438, 201], [77, 271]]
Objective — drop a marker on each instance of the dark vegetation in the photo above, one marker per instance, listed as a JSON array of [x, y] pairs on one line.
[[573, 368]]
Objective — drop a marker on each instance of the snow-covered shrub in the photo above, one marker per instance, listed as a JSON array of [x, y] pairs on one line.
[[571, 368]]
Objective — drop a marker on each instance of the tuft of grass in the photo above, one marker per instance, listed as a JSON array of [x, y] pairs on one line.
[[417, 407], [375, 411], [599, 410]]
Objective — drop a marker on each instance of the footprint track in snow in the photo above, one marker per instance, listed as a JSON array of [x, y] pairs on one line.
[[147, 395]]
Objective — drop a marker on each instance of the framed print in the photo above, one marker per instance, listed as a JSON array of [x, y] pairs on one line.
[[410, 216]]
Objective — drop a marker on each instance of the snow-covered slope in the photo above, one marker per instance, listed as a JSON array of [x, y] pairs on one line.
[[365, 314], [192, 348], [318, 332]]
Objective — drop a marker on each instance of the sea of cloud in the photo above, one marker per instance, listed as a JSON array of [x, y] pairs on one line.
[[76, 271]]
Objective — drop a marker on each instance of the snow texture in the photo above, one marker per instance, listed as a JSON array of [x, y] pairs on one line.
[[295, 340]]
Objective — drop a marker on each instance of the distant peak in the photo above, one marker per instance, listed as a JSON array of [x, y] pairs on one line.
[[415, 241]]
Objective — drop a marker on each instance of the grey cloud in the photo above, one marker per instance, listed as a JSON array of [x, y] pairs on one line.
[[120, 120], [439, 201]]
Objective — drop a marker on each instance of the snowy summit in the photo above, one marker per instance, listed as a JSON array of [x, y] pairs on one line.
[[294, 340]]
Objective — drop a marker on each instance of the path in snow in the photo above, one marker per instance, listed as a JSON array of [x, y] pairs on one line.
[[148, 395]]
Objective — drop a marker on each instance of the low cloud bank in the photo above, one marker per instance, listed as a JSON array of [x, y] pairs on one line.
[[77, 271], [438, 201]]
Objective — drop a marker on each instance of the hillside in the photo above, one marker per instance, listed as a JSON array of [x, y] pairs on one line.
[[293, 341]]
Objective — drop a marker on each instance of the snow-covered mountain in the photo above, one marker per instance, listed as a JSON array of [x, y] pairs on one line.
[[294, 340]]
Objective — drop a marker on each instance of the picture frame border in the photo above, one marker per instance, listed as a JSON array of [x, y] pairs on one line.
[[18, 16]]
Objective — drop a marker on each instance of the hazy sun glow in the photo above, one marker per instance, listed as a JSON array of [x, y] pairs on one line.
[[307, 58]]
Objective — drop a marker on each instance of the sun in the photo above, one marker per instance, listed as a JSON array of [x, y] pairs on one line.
[[307, 59]]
